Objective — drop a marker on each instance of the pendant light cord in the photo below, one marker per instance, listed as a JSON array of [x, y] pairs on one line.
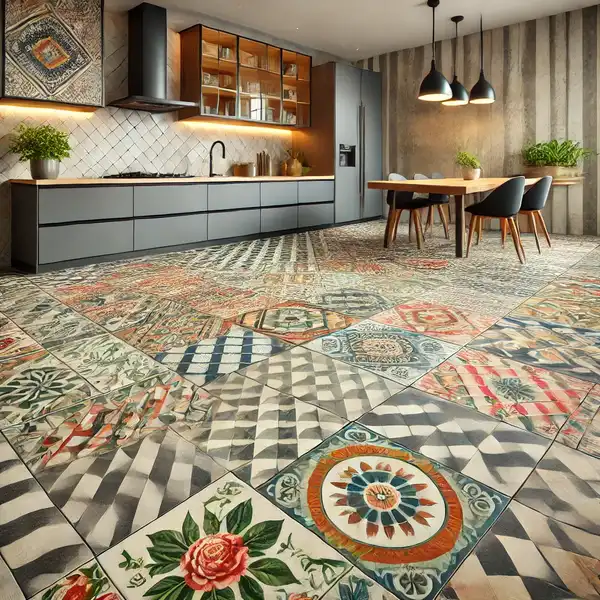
[[433, 38], [455, 48], [481, 40]]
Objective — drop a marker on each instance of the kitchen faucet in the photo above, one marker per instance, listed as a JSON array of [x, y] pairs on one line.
[[211, 173]]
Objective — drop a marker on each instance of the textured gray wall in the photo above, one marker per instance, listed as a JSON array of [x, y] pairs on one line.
[[545, 73]]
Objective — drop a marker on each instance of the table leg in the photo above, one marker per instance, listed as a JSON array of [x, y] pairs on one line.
[[459, 205]]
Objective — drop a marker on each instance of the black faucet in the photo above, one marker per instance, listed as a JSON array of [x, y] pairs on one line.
[[211, 173]]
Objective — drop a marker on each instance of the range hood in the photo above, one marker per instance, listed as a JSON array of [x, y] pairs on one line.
[[148, 62]]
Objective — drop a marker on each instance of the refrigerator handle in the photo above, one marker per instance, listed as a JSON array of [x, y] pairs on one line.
[[359, 150], [363, 145]]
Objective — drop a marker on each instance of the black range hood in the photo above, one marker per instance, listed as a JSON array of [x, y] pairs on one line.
[[148, 62]]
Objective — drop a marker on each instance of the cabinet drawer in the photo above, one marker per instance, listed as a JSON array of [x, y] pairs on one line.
[[315, 191], [85, 203], [277, 193], [68, 242], [278, 219], [224, 196], [169, 231], [233, 224], [309, 216], [169, 199]]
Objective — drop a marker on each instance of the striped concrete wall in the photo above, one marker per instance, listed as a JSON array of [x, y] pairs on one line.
[[545, 74]]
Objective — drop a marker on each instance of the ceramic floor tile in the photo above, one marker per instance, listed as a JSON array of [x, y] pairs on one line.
[[212, 358], [582, 428], [227, 302], [569, 350], [294, 322], [403, 520], [565, 486], [389, 351], [130, 311], [261, 552], [584, 315], [103, 424], [353, 302], [527, 397], [8, 585], [16, 348], [355, 585], [527, 556], [573, 288], [493, 453], [243, 422], [36, 541], [336, 386], [108, 363]]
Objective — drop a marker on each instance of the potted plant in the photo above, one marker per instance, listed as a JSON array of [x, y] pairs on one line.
[[558, 159], [470, 165], [43, 146]]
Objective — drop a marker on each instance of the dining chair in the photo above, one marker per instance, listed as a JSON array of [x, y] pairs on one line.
[[503, 203], [534, 201], [436, 200]]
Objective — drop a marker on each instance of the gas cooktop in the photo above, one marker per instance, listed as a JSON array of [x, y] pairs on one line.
[[142, 175]]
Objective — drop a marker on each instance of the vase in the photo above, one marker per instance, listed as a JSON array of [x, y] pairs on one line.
[[44, 168], [471, 174], [294, 167]]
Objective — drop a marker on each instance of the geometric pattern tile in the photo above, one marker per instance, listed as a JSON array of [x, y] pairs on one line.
[[337, 387], [582, 429], [227, 302], [389, 351], [357, 303], [565, 486], [527, 556], [527, 397], [246, 423], [8, 584], [207, 360], [405, 521], [109, 496], [496, 454]]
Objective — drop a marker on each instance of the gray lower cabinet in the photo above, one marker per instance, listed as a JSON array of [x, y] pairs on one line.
[[278, 218], [169, 231], [84, 240], [232, 196], [169, 199], [312, 215], [316, 191], [274, 193], [233, 224]]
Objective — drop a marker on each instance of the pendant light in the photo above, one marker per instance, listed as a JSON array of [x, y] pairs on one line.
[[435, 87], [460, 96], [482, 92]]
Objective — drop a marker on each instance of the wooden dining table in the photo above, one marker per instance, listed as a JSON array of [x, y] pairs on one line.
[[457, 189]]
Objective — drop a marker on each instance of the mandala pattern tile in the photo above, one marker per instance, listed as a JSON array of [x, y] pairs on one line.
[[527, 397], [225, 542], [565, 487], [336, 386], [294, 322], [493, 453], [435, 320], [570, 350], [582, 429], [108, 363], [403, 520], [527, 556], [565, 312], [389, 351], [36, 541], [357, 303], [102, 424], [247, 423], [209, 359]]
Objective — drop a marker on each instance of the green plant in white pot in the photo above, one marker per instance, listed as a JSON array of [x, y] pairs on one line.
[[470, 165], [558, 159], [43, 146]]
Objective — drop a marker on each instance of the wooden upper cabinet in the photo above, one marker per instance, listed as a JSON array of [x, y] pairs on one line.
[[237, 78]]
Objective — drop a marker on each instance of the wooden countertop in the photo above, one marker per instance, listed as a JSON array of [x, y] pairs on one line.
[[159, 181]]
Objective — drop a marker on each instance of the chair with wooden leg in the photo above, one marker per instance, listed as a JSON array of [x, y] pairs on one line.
[[503, 203], [436, 200], [534, 201]]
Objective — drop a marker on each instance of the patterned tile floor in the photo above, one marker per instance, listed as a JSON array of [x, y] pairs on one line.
[[304, 417]]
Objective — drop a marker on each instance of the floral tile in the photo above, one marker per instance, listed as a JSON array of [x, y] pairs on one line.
[[99, 296], [569, 350], [108, 363], [89, 582], [389, 351], [573, 288], [436, 320], [102, 424], [19, 300], [582, 428], [225, 542], [210, 359], [403, 520], [242, 422], [355, 585], [129, 312], [584, 315], [528, 556], [16, 348], [227, 302], [294, 322], [527, 397], [336, 386], [564, 486]]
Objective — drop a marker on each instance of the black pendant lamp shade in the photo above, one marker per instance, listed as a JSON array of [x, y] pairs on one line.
[[482, 92], [435, 87], [460, 96]]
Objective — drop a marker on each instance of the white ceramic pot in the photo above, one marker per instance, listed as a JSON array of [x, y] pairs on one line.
[[470, 174], [44, 168]]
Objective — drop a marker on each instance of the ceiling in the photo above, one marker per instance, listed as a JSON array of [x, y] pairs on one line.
[[356, 29]]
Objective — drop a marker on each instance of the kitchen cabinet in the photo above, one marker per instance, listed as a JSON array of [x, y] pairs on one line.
[[279, 218], [169, 231], [315, 191], [279, 193], [232, 196], [312, 215], [239, 223], [169, 199]]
